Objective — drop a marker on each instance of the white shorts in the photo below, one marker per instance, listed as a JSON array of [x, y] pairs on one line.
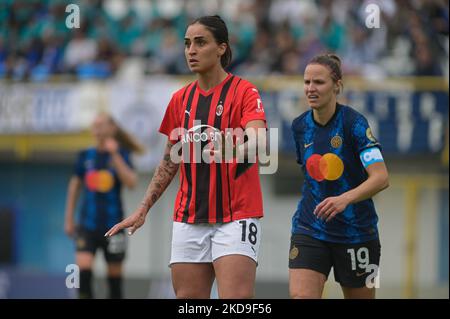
[[204, 243]]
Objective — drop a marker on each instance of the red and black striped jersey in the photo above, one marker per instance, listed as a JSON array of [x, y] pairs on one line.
[[215, 192]]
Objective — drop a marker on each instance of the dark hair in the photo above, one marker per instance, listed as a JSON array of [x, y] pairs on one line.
[[219, 30], [333, 63]]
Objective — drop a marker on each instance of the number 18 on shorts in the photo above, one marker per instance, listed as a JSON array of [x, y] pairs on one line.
[[198, 243]]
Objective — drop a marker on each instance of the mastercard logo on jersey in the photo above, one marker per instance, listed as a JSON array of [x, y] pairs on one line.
[[99, 181], [324, 167]]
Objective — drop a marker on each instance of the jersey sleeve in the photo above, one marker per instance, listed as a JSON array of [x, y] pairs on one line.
[[298, 154], [172, 119], [362, 136], [79, 169], [252, 107]]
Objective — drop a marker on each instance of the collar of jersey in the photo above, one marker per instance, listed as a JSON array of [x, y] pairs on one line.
[[211, 90], [336, 111]]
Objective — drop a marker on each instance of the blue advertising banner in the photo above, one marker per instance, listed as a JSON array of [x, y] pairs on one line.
[[405, 122]]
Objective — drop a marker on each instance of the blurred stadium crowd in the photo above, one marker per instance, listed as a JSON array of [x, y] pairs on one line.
[[267, 36]]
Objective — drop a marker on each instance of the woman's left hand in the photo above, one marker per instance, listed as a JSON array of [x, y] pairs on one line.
[[330, 207]]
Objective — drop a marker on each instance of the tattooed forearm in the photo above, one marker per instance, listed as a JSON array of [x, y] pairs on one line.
[[154, 198], [164, 174]]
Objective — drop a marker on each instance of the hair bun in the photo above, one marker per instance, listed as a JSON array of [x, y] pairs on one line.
[[218, 17], [335, 58]]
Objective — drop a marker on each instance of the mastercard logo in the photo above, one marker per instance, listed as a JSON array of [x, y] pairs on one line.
[[324, 167], [99, 181]]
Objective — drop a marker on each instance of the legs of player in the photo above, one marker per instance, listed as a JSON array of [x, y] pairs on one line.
[[235, 276], [227, 252], [192, 280], [358, 293], [306, 283], [115, 280], [85, 260], [354, 265]]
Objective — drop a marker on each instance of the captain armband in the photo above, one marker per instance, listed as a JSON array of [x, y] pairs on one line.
[[370, 156]]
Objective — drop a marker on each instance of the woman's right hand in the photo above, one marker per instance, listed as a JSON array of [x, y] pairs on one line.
[[69, 227], [134, 221]]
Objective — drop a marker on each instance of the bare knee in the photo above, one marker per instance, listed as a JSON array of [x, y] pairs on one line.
[[358, 293], [237, 294], [183, 293], [304, 295], [299, 293], [114, 269], [306, 284], [84, 260]]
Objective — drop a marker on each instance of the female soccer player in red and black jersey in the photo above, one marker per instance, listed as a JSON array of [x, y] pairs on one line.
[[216, 230]]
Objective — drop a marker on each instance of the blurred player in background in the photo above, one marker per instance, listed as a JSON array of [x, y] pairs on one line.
[[100, 172], [335, 224], [216, 228]]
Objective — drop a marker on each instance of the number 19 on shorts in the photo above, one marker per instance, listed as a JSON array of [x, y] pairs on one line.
[[359, 259]]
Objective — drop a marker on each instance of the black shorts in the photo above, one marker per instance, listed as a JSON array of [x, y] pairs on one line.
[[352, 263], [113, 247]]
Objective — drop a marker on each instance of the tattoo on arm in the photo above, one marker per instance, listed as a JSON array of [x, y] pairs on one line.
[[154, 197], [164, 174]]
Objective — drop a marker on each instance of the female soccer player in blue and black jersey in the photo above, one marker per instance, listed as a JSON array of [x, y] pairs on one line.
[[100, 171], [335, 224]]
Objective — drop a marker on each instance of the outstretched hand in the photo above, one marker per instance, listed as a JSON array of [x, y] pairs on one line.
[[133, 222]]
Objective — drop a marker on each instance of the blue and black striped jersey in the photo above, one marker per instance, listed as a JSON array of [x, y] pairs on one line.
[[102, 206], [329, 156]]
